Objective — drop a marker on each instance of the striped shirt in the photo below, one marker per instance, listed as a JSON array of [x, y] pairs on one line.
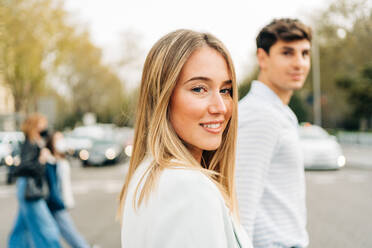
[[270, 172]]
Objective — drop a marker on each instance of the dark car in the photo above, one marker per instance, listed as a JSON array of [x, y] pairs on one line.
[[102, 151], [99, 144]]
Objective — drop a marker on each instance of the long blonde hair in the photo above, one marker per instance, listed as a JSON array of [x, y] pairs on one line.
[[154, 134]]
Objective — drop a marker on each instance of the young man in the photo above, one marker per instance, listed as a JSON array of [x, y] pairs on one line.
[[270, 173]]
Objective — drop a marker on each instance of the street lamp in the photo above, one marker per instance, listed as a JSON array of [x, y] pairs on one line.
[[316, 82]]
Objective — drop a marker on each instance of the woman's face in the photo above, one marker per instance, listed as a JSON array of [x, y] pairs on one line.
[[201, 103], [41, 125]]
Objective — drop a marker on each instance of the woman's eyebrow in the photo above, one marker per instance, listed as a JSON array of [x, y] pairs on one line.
[[200, 78], [197, 78], [228, 81]]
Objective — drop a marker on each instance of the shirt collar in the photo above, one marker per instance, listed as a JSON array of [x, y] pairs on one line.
[[263, 91]]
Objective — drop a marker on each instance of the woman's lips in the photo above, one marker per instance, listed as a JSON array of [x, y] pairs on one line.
[[213, 127]]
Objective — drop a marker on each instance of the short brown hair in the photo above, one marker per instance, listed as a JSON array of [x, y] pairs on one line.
[[285, 29]]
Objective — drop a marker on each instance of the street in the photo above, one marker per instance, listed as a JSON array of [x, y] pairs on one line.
[[96, 192], [339, 206]]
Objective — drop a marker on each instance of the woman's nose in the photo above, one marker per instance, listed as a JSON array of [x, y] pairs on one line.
[[217, 104]]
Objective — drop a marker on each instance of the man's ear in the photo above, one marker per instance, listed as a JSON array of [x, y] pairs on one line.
[[262, 57]]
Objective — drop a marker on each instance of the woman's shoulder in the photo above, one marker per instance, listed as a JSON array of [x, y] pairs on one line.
[[177, 175], [177, 182], [193, 183], [183, 176]]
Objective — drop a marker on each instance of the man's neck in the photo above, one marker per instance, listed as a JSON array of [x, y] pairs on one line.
[[284, 95]]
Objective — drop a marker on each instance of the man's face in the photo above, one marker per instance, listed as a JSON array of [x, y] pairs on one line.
[[287, 64]]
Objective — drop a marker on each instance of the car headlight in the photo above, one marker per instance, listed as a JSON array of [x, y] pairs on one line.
[[341, 161], [9, 160], [128, 150], [84, 154], [110, 153]]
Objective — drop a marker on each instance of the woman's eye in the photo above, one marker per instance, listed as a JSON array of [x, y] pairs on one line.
[[226, 91], [199, 89]]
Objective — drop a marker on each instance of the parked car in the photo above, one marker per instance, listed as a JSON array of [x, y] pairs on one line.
[[99, 144], [5, 151], [102, 151], [320, 150], [12, 141]]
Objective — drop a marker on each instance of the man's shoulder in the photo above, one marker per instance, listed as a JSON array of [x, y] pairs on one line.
[[255, 109], [252, 102]]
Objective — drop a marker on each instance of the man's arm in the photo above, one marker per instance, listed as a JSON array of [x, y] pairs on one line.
[[257, 138]]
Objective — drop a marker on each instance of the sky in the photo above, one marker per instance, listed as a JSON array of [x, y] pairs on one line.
[[235, 22]]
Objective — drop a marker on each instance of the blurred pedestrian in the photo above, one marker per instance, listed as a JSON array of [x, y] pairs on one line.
[[34, 226], [179, 190], [270, 171], [60, 192]]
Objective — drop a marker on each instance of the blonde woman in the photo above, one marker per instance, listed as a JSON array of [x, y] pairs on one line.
[[179, 190]]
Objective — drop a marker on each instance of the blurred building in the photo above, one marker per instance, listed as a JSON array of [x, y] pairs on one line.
[[7, 117]]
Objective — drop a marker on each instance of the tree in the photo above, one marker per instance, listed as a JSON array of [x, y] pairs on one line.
[[360, 94], [41, 54], [344, 34], [28, 37], [90, 85]]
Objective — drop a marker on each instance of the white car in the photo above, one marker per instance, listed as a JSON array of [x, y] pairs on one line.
[[320, 150]]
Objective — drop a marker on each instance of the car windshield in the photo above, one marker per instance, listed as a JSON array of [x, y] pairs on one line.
[[313, 132], [11, 137], [97, 134]]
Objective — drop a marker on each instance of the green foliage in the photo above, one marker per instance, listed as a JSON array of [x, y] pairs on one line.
[[360, 92], [129, 106], [40, 54], [298, 107], [23, 48], [342, 57], [245, 85]]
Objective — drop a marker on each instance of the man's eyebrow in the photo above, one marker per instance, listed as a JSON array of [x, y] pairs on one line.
[[292, 49], [288, 48]]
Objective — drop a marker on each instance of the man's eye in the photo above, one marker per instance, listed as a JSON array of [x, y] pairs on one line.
[[307, 53]]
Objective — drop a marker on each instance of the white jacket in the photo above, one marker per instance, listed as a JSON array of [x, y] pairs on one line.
[[64, 173], [185, 210]]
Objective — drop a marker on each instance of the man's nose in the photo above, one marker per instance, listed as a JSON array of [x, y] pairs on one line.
[[300, 61]]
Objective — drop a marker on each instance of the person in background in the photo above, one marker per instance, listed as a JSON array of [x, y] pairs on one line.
[[34, 225], [58, 148], [60, 192], [179, 190], [270, 171]]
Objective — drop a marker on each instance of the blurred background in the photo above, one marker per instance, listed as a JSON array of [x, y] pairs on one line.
[[79, 63]]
